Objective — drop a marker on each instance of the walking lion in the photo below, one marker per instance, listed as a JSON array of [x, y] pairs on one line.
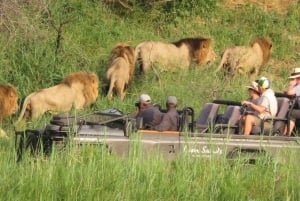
[[120, 70], [77, 90], [247, 59], [173, 56]]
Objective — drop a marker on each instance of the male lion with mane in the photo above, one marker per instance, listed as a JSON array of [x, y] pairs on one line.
[[177, 55], [77, 90], [247, 59], [120, 69], [8, 100]]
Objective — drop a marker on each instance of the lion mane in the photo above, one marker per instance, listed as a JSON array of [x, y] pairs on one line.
[[120, 69], [8, 100], [177, 55], [89, 82], [77, 90], [247, 59]]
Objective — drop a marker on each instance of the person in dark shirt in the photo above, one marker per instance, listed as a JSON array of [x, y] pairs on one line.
[[147, 116], [253, 92], [253, 95], [170, 119]]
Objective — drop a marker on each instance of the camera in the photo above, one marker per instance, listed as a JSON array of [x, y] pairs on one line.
[[137, 104], [244, 109]]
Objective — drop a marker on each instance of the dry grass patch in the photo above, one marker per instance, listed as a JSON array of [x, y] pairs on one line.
[[279, 6]]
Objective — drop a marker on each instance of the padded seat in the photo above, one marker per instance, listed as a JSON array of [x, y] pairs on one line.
[[275, 125], [207, 117], [229, 121]]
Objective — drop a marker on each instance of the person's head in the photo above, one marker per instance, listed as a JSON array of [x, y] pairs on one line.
[[143, 101], [171, 102], [295, 75], [253, 89], [263, 84]]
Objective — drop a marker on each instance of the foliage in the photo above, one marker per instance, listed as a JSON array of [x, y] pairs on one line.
[[91, 173]]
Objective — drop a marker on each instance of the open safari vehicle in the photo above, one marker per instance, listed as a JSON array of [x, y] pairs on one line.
[[216, 131]]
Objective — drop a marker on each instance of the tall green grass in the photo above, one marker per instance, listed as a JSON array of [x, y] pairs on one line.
[[90, 173]]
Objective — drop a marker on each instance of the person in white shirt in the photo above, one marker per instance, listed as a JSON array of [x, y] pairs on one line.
[[266, 106]]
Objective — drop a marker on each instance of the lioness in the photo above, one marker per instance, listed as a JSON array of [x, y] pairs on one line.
[[77, 90], [120, 69], [247, 59]]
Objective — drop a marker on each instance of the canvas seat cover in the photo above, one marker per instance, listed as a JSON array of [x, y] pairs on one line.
[[207, 117]]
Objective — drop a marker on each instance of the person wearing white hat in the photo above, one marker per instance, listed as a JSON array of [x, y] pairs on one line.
[[147, 115], [170, 119], [254, 95], [294, 89], [266, 106]]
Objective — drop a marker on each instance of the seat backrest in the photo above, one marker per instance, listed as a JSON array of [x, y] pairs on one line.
[[229, 121], [234, 114], [231, 115], [283, 109], [207, 115]]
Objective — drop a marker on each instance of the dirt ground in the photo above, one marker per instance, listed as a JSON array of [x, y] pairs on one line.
[[279, 6]]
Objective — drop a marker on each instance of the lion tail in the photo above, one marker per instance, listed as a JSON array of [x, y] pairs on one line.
[[137, 57], [224, 58], [25, 105], [111, 87], [137, 51]]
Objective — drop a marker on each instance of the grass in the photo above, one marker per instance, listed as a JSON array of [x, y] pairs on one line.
[[89, 173], [30, 60]]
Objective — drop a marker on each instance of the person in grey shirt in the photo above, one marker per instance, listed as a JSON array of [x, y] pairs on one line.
[[266, 106], [147, 115], [294, 89], [170, 119]]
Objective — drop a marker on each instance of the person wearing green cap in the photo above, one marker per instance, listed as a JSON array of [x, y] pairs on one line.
[[266, 106]]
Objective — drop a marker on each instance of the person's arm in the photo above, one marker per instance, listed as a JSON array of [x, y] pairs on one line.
[[137, 109], [136, 112], [257, 108], [165, 124]]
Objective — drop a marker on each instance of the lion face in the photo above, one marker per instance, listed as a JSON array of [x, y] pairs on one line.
[[265, 45], [206, 54], [8, 100]]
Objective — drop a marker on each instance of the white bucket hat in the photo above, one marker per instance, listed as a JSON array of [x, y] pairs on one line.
[[295, 73]]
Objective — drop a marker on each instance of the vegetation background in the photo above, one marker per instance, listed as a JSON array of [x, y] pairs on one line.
[[43, 40]]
